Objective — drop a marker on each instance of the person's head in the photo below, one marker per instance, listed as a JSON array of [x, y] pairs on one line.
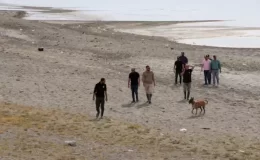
[[214, 57], [148, 68], [103, 80], [182, 53], [207, 57], [178, 58], [133, 70]]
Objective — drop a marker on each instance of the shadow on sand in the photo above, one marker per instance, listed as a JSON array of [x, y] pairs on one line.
[[145, 104], [128, 105], [195, 116], [182, 101]]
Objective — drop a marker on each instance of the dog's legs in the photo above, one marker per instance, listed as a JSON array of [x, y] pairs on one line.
[[196, 110], [204, 109], [192, 110], [201, 109]]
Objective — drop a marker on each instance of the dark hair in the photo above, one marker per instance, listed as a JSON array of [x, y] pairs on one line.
[[147, 66], [102, 79]]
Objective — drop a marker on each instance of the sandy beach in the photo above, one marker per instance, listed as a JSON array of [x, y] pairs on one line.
[[46, 97]]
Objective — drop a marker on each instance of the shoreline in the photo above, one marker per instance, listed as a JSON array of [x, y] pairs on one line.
[[225, 37]]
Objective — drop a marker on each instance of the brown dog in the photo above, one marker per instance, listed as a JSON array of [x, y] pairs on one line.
[[198, 104]]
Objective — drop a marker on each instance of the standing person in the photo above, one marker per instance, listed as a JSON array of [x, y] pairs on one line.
[[215, 69], [178, 67], [183, 58], [134, 81], [149, 83], [100, 92], [206, 68], [187, 80]]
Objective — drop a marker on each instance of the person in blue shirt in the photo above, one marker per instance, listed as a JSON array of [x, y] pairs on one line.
[[215, 69]]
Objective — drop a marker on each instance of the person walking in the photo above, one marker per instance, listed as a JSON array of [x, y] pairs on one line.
[[100, 93], [187, 80], [215, 70], [134, 82], [206, 68], [149, 83], [183, 58], [178, 67]]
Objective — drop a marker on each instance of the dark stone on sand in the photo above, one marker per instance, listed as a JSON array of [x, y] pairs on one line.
[[40, 49]]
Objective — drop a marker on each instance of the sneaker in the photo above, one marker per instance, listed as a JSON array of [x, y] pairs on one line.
[[133, 102]]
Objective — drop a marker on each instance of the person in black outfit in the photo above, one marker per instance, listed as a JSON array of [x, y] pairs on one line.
[[178, 68], [183, 58], [100, 92], [134, 81], [187, 80]]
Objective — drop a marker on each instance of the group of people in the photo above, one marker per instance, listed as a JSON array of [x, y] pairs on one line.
[[182, 70]]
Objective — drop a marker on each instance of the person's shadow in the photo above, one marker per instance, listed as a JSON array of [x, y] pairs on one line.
[[128, 105], [145, 104], [182, 101]]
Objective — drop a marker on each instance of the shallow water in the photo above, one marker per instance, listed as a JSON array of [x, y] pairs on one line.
[[240, 13]]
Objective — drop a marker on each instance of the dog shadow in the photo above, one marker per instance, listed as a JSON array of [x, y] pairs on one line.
[[128, 105], [196, 116], [145, 104]]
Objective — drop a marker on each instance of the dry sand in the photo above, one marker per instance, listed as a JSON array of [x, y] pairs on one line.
[[58, 83]]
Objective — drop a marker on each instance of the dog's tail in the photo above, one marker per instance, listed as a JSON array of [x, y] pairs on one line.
[[206, 101]]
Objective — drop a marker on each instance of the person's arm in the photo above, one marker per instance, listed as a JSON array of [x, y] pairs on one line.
[[129, 82], [106, 92], [138, 80], [143, 77], [95, 92], [174, 68], [183, 70], [187, 60], [219, 66], [192, 67], [153, 79]]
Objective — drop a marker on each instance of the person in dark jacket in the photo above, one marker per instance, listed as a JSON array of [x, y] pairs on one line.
[[178, 67], [183, 58], [100, 93], [134, 83], [187, 81]]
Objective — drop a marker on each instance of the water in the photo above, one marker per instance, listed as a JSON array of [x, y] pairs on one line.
[[243, 13]]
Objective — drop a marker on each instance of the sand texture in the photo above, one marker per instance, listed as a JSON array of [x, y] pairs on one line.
[[47, 96]]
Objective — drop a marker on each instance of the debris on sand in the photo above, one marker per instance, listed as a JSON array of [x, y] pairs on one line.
[[183, 130], [40, 49], [70, 143]]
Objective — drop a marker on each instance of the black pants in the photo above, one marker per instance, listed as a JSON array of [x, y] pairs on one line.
[[177, 73], [100, 103], [134, 89], [207, 77]]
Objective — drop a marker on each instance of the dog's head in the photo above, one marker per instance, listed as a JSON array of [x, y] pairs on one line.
[[191, 100]]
